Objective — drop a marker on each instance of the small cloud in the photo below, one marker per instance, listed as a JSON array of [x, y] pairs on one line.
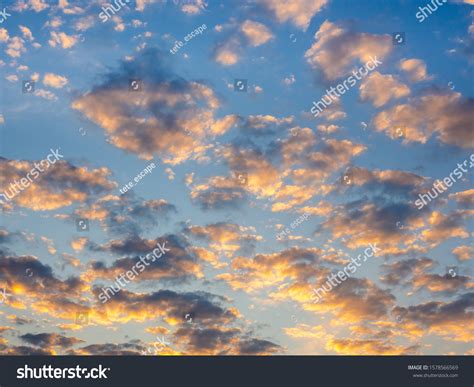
[[415, 68], [27, 34], [54, 80], [289, 80], [170, 173], [3, 35], [62, 39], [256, 33], [12, 78], [46, 95]]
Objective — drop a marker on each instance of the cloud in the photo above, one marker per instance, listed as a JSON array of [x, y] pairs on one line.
[[194, 7], [399, 272], [289, 80], [336, 50], [443, 227], [223, 341], [451, 320], [36, 5], [68, 9], [170, 116], [54, 80], [12, 78], [62, 39], [268, 173], [445, 284], [268, 270], [219, 192], [84, 23], [26, 33], [298, 12], [29, 279], [110, 349], [334, 111], [23, 350], [229, 51], [355, 300], [177, 265], [465, 199], [15, 47], [414, 274], [256, 33], [263, 124], [54, 22], [464, 253], [415, 69], [46, 94], [448, 116], [62, 184], [3, 35], [392, 182], [376, 221], [368, 347], [50, 340], [126, 214], [257, 347], [226, 238], [380, 89]]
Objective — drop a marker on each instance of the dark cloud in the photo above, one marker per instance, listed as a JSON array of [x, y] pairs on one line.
[[49, 340], [109, 349], [450, 319], [60, 185], [23, 350], [177, 265], [127, 214], [258, 347], [171, 306], [35, 276], [397, 272]]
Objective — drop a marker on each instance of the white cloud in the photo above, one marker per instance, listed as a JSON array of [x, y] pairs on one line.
[[289, 80]]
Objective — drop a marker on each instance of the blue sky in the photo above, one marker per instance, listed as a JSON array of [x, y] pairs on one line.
[[249, 291]]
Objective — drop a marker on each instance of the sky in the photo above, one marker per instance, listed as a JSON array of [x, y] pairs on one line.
[[283, 229]]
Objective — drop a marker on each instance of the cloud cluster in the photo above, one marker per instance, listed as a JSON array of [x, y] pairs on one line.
[[169, 117], [61, 185], [248, 33], [448, 116], [337, 50]]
